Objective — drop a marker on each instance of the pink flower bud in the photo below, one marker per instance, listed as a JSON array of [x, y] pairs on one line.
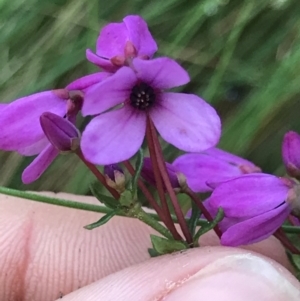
[[291, 153], [61, 133]]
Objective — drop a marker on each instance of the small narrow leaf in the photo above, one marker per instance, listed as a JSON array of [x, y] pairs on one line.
[[103, 220], [209, 226], [138, 169], [104, 199], [153, 253], [164, 246]]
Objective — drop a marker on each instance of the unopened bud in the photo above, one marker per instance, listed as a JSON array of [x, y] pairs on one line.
[[148, 174], [115, 177], [291, 153], [61, 133]]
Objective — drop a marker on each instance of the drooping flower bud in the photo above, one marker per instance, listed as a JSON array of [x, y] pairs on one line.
[[291, 153], [255, 206], [61, 133], [206, 169], [115, 177], [177, 179]]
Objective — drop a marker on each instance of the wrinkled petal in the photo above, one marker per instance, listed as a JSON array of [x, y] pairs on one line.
[[255, 229], [103, 63], [20, 120], [200, 168], [112, 40], [140, 35], [86, 81], [114, 136], [39, 164], [110, 92], [34, 148], [249, 195], [161, 73], [186, 121]]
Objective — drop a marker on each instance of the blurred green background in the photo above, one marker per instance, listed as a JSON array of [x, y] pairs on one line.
[[243, 58]]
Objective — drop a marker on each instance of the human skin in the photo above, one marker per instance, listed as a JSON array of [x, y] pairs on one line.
[[45, 254]]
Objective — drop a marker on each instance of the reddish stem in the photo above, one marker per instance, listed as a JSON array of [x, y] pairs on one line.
[[164, 174], [98, 175], [280, 235], [160, 186], [203, 210]]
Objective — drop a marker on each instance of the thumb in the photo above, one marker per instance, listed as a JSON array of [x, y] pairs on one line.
[[217, 273]]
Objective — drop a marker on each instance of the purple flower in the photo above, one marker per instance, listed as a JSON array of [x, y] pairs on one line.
[[255, 206], [115, 177], [20, 122], [184, 120], [119, 42], [291, 153], [212, 166]]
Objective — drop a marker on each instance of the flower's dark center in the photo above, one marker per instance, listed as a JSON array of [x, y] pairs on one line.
[[142, 96]]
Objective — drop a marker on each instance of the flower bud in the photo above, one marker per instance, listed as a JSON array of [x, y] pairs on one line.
[[177, 179], [61, 133], [291, 153], [115, 177]]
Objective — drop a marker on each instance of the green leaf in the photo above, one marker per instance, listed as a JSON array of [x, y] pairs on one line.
[[192, 223], [138, 169], [104, 199], [209, 226], [153, 253], [103, 220], [164, 246]]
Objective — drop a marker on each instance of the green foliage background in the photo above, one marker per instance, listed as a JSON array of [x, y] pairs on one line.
[[243, 57]]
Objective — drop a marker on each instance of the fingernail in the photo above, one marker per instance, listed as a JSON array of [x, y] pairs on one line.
[[238, 277]]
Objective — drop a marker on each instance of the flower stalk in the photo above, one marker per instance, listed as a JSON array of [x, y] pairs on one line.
[[156, 149]]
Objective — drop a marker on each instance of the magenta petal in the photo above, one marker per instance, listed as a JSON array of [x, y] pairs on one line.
[[187, 122], [249, 195], [113, 136], [228, 157], [20, 120], [161, 73], [34, 148], [112, 40], [255, 229], [103, 63], [201, 168], [140, 35], [86, 81], [39, 164], [291, 153], [109, 93]]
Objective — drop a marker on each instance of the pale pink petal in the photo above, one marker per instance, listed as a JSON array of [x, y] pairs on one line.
[[110, 92], [112, 40], [20, 120], [186, 121], [101, 62], [34, 148], [255, 229], [87, 81], [161, 73], [113, 136], [249, 195], [140, 35], [39, 164], [201, 168]]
